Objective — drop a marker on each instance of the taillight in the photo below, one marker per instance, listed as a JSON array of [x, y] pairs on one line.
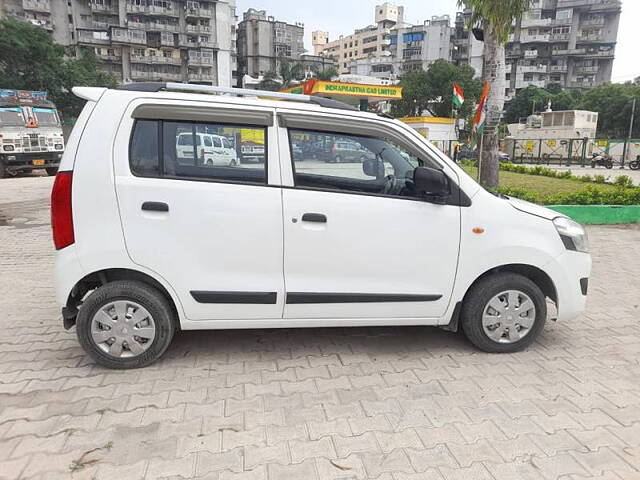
[[61, 212]]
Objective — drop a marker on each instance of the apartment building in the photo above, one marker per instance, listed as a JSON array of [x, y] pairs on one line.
[[370, 41], [465, 48], [263, 41], [143, 40], [569, 42]]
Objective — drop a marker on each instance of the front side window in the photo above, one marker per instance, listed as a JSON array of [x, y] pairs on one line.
[[11, 116], [46, 116], [185, 150], [351, 163]]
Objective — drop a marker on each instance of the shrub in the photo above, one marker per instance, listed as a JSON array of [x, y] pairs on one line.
[[599, 179], [623, 181]]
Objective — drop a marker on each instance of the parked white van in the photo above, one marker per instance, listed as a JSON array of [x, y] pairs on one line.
[[403, 238], [205, 148]]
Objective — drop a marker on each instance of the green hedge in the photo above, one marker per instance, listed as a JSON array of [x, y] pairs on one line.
[[589, 195], [622, 180]]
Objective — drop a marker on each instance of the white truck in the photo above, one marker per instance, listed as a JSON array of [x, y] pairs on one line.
[[30, 133]]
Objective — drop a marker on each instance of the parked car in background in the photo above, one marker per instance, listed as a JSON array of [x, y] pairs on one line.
[[346, 151], [472, 154]]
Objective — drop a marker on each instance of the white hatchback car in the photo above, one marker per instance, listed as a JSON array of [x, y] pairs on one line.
[[405, 238]]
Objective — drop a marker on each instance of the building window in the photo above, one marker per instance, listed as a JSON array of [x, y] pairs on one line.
[[413, 37], [564, 14], [365, 51], [370, 39]]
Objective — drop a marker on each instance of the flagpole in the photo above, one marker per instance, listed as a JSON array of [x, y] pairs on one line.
[[480, 155]]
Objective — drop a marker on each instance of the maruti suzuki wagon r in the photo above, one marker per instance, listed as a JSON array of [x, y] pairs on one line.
[[150, 239]]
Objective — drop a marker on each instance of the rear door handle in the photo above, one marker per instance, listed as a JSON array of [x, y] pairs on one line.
[[155, 207], [314, 217]]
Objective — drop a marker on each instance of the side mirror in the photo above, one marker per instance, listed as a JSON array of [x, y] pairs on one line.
[[373, 167], [431, 183]]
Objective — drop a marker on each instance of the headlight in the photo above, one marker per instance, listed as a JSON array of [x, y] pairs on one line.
[[8, 148], [572, 234]]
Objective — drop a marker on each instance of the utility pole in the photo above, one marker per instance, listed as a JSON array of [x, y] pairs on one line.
[[628, 146]]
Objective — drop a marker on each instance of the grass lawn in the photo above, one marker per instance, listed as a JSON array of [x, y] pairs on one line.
[[545, 186]]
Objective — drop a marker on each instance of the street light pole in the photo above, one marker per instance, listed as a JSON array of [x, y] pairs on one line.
[[633, 114]]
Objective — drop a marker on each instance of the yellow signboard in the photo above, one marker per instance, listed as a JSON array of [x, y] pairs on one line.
[[357, 89]]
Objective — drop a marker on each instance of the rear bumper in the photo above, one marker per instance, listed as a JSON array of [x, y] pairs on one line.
[[570, 274]]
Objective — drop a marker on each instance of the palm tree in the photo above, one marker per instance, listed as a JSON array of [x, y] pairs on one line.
[[495, 17], [290, 71]]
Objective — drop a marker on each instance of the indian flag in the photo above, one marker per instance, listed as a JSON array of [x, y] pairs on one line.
[[458, 95], [481, 113]]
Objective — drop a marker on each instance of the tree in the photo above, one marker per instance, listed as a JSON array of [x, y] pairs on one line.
[[270, 82], [433, 90], [290, 71], [327, 73], [613, 103], [30, 60], [496, 18], [533, 99]]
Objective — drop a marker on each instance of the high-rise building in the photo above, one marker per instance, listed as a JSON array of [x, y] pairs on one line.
[[143, 40], [263, 41], [370, 41], [568, 42]]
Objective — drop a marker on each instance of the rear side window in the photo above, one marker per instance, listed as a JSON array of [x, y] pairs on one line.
[[143, 156], [177, 149]]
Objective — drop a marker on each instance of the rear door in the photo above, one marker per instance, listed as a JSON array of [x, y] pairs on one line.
[[214, 233]]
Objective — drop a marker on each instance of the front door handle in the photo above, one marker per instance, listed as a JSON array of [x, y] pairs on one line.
[[155, 207], [314, 217]]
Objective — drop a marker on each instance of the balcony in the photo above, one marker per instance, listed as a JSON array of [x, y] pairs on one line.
[[37, 5], [596, 22], [154, 76], [198, 28], [88, 37], [535, 22], [534, 38], [575, 84], [530, 54], [153, 10], [560, 22], [557, 69], [200, 60], [590, 38], [201, 77], [560, 52], [532, 69], [156, 60], [594, 4], [163, 27], [42, 23], [104, 8], [199, 12], [109, 58], [559, 37], [123, 35], [586, 69], [522, 83], [103, 25]]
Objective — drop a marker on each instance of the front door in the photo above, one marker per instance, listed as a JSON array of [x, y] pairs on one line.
[[358, 242], [213, 232]]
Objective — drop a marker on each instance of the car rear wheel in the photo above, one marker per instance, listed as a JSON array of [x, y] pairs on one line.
[[125, 324], [503, 313]]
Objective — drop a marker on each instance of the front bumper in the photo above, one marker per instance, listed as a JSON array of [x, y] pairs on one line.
[[17, 162], [570, 273]]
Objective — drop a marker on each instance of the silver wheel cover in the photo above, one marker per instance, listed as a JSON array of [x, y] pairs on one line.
[[509, 316], [123, 329]]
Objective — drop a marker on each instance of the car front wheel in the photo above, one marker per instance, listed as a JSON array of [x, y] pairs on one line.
[[125, 324], [503, 313]]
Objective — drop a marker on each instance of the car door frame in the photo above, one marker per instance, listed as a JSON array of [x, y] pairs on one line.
[[416, 145]]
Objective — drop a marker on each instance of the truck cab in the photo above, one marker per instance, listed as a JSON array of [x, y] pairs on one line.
[[30, 133]]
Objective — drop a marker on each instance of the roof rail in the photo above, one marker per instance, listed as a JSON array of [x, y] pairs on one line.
[[188, 87]]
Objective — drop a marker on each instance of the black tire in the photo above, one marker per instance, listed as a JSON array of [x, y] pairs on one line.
[[3, 169], [593, 164], [635, 165], [51, 171], [609, 165], [148, 297], [483, 291]]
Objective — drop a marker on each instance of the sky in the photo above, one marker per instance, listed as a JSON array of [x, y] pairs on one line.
[[341, 17]]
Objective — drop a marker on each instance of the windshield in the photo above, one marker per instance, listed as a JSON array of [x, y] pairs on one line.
[[11, 116], [46, 116]]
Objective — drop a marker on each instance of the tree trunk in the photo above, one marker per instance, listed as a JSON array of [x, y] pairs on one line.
[[494, 72]]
